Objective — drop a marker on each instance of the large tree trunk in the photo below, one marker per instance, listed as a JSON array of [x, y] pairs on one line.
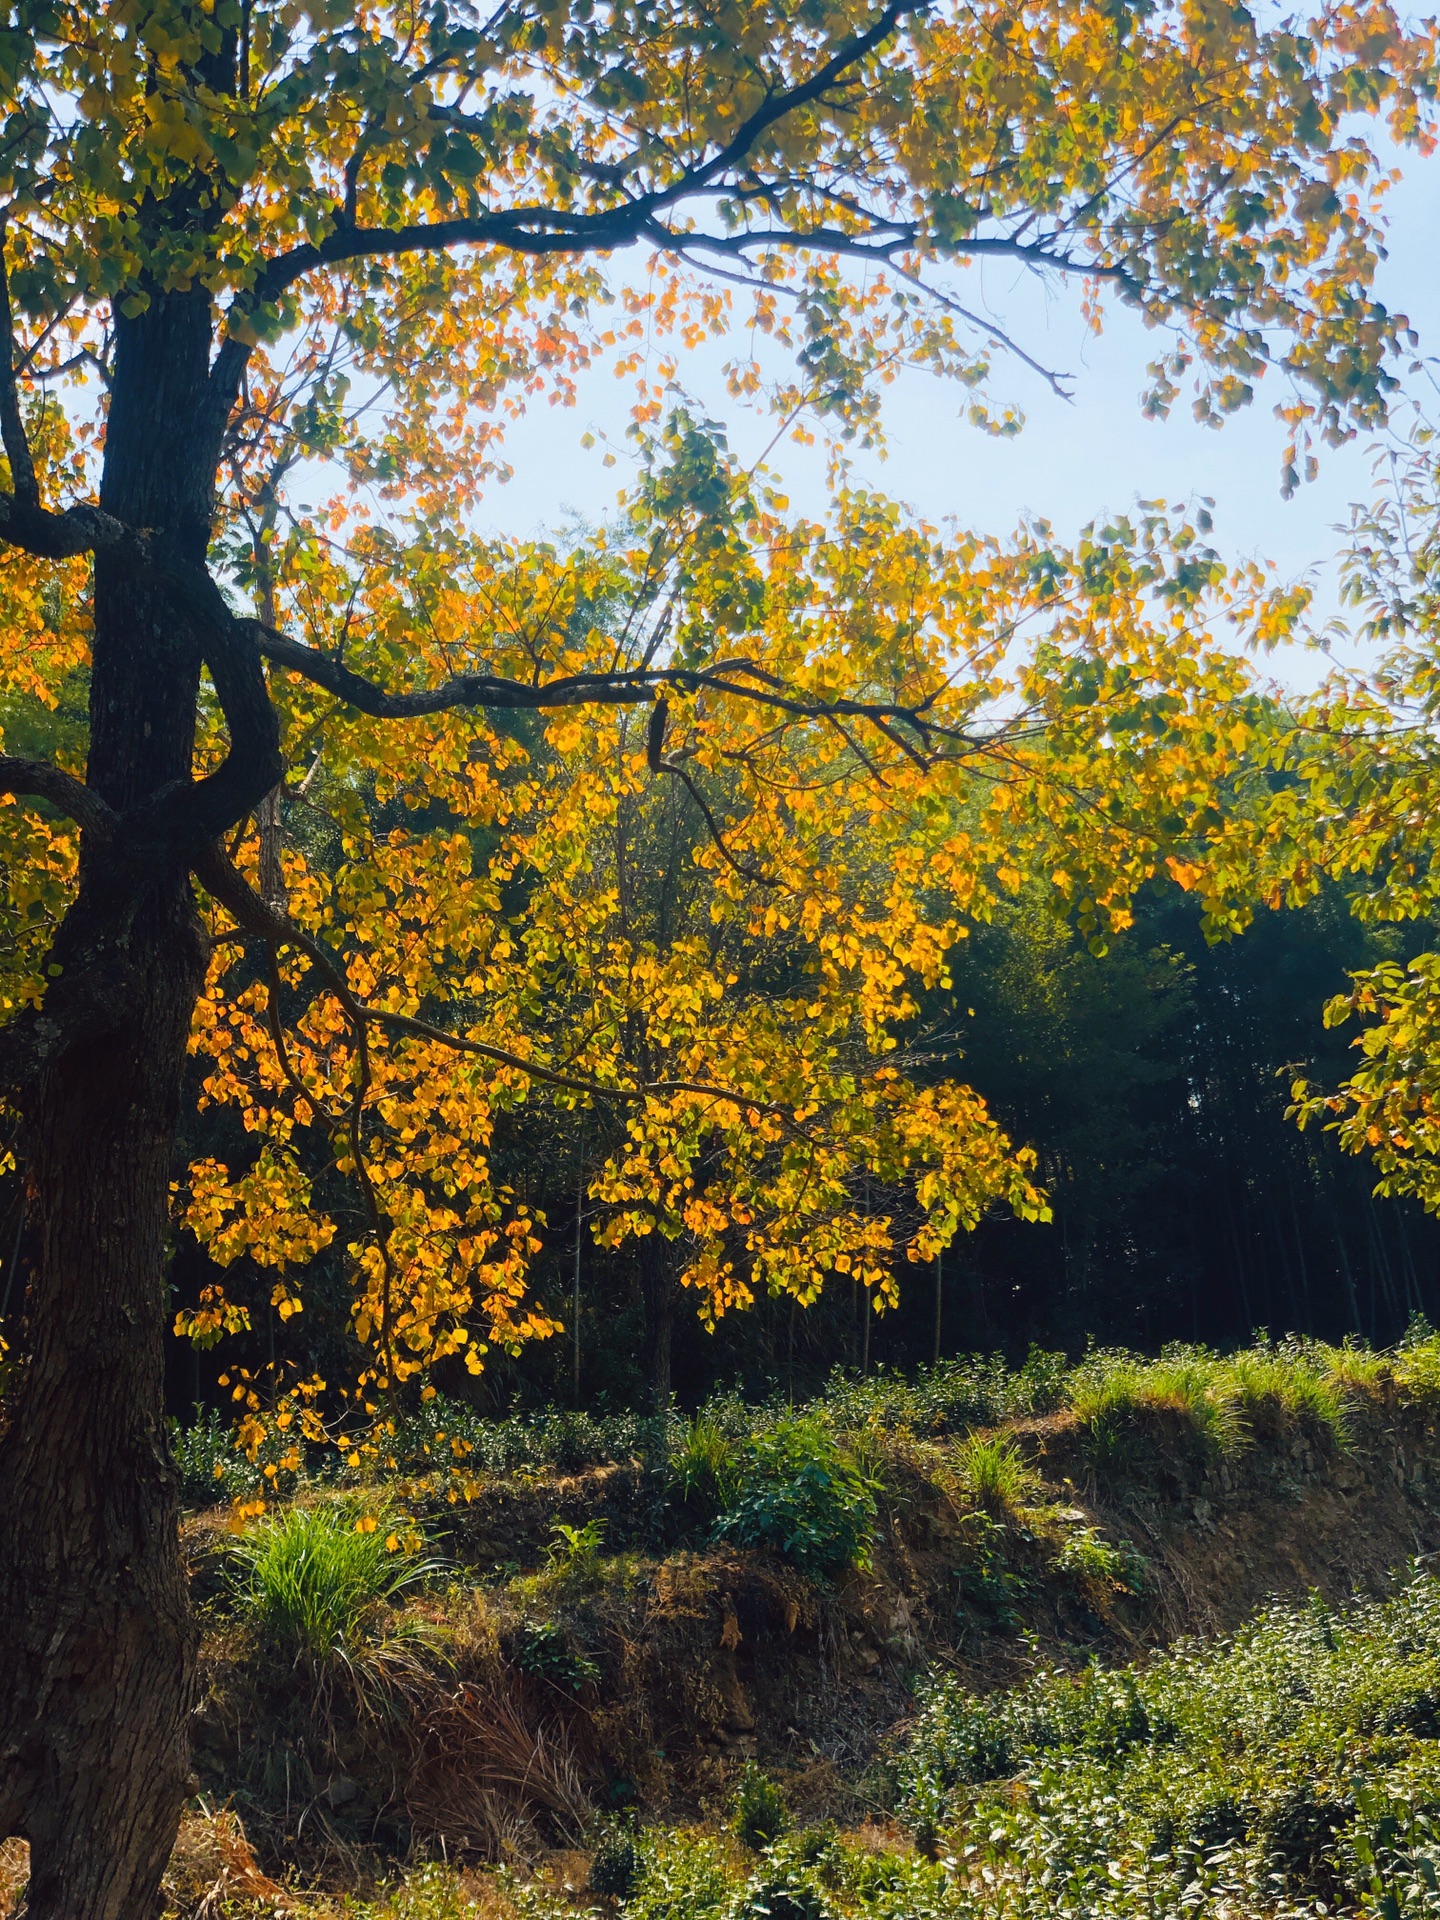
[[96, 1642]]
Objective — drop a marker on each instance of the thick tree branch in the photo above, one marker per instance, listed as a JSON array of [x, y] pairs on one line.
[[472, 690], [625, 686], [12, 425], [539, 229], [182, 820], [63, 536], [45, 782]]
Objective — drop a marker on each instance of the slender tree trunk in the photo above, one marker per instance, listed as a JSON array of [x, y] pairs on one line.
[[98, 1648], [658, 1290]]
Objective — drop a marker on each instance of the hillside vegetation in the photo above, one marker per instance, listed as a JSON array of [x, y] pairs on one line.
[[889, 1652]]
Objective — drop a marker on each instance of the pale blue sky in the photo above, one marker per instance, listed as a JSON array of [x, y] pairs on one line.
[[1093, 455]]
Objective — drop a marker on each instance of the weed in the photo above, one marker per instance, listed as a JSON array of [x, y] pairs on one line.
[[758, 1811], [1093, 1563], [1111, 1396], [546, 1653], [576, 1550], [1287, 1381], [984, 1576], [488, 1769]]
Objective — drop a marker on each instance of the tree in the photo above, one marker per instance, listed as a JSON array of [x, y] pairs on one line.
[[1360, 808], [217, 213]]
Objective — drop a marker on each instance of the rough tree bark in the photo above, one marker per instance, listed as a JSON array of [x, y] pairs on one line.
[[96, 1677]]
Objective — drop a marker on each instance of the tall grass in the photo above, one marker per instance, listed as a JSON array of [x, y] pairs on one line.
[[318, 1582], [1226, 1400], [704, 1465]]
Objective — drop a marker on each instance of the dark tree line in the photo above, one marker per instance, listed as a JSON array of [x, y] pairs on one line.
[[1153, 1083]]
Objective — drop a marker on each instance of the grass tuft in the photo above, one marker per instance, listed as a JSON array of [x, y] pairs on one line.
[[319, 1584], [994, 1473]]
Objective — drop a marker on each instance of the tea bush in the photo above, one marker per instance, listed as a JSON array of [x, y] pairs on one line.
[[758, 1811], [1224, 1401], [615, 1865], [1294, 1765], [211, 1470], [800, 1492]]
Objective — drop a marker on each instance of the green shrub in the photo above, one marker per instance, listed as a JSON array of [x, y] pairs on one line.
[[757, 1807], [799, 1492], [953, 1397], [431, 1892], [682, 1877], [545, 1652], [615, 1865], [316, 1581], [440, 1433]]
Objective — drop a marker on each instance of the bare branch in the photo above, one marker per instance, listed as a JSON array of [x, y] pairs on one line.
[[736, 865]]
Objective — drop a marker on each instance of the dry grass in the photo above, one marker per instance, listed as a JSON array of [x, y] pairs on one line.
[[490, 1775], [213, 1872], [14, 1872]]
